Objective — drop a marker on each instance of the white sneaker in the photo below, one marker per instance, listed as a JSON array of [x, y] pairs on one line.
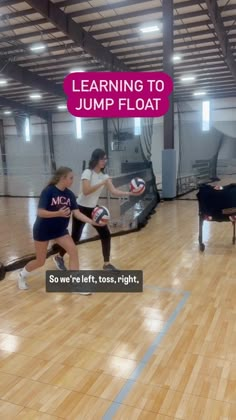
[[22, 283], [85, 293]]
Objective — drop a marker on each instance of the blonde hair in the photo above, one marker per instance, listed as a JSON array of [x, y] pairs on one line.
[[61, 172]]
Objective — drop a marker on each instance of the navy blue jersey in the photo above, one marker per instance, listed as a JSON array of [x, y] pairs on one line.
[[53, 199]]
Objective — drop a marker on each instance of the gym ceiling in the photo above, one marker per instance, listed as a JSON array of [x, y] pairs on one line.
[[41, 41]]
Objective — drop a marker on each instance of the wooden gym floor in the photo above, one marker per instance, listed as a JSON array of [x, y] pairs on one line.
[[17, 215], [167, 353]]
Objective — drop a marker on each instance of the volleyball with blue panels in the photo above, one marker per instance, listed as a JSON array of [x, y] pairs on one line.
[[137, 185], [101, 214]]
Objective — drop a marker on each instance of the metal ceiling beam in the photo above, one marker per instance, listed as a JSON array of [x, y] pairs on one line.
[[185, 36], [64, 69], [20, 13], [134, 14], [9, 2], [14, 50], [17, 49], [184, 52], [158, 43], [23, 25], [182, 64], [209, 81], [209, 73], [189, 58], [20, 37], [222, 95], [118, 5], [144, 13], [74, 60], [9, 103], [212, 90], [98, 9], [208, 85], [177, 27], [29, 78], [196, 69], [114, 18], [76, 32], [64, 3], [179, 16], [215, 16], [159, 36], [63, 72]]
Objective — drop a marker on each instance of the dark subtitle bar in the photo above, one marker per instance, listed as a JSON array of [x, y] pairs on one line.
[[94, 281]]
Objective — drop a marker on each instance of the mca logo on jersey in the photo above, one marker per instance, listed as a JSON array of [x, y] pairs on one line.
[[60, 201]]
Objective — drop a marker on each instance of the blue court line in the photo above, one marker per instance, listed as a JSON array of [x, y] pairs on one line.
[[121, 396]]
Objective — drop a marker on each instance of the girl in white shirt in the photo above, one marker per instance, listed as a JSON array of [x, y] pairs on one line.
[[93, 181]]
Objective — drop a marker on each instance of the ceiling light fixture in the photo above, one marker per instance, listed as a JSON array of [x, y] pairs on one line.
[[76, 71], [187, 78], [35, 96], [199, 93], [38, 47], [177, 57], [150, 29]]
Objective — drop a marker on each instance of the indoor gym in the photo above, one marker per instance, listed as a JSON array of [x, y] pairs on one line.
[[166, 353]]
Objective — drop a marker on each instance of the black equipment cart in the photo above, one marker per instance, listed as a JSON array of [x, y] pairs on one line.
[[216, 205]]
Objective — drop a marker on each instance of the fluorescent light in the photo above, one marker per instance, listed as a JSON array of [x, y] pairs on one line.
[[61, 106], [3, 82], [7, 112], [78, 127], [177, 57], [205, 115], [137, 126], [150, 29], [187, 78], [35, 96], [199, 93], [76, 71], [38, 47], [27, 129]]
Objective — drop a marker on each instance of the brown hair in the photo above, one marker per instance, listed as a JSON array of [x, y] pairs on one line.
[[95, 157], [61, 172]]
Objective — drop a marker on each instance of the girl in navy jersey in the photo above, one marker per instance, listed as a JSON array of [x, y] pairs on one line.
[[55, 206], [93, 181]]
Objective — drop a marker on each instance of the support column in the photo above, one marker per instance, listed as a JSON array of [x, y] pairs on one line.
[[51, 142], [4, 165], [105, 136], [169, 153], [3, 148]]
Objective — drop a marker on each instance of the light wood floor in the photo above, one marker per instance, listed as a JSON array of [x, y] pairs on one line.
[[171, 349]]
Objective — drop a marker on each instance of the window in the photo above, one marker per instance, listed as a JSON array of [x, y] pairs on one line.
[[27, 129], [205, 115], [137, 126], [78, 123]]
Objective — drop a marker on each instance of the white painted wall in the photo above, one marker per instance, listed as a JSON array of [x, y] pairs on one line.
[[29, 163]]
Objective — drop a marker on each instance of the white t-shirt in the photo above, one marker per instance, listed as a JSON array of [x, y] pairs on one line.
[[95, 178]]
